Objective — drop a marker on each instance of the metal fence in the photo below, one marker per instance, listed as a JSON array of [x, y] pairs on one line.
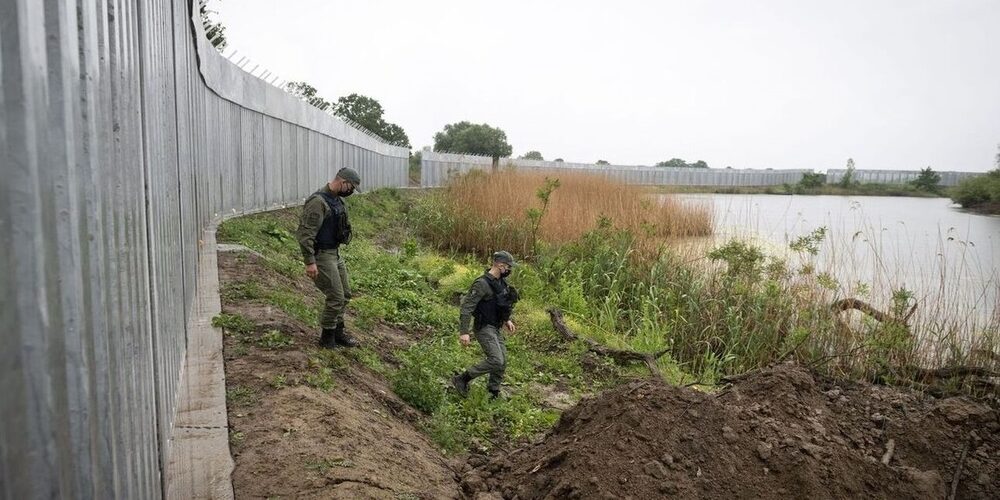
[[124, 134], [436, 168], [835, 175]]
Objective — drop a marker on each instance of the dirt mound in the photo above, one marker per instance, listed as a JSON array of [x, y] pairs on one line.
[[777, 434]]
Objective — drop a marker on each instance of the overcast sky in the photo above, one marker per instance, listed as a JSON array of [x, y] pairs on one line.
[[897, 84]]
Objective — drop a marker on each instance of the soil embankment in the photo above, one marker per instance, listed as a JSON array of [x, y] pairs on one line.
[[782, 433]]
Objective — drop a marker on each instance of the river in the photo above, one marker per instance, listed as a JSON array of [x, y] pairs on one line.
[[947, 257]]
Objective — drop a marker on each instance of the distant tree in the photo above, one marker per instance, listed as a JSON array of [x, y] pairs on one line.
[[532, 155], [558, 159], [848, 178], [679, 163], [214, 31], [307, 93], [673, 162], [467, 137], [812, 180], [928, 180], [394, 134], [362, 110], [603, 162], [415, 158]]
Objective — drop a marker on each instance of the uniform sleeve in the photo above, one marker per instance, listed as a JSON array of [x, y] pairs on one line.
[[312, 218], [477, 292]]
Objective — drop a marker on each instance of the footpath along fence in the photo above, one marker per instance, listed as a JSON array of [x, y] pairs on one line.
[[125, 134]]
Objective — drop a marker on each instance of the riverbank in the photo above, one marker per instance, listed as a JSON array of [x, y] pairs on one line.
[[351, 423], [790, 189]]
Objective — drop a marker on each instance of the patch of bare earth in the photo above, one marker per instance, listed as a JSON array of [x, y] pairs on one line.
[[782, 433], [290, 439]]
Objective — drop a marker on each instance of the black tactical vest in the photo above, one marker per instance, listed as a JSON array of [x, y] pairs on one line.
[[496, 310], [336, 230]]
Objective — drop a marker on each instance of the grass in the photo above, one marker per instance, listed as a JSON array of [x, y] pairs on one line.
[[242, 396], [481, 212]]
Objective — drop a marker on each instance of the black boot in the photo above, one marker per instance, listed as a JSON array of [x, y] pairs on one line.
[[461, 383], [495, 395], [342, 338], [327, 339]]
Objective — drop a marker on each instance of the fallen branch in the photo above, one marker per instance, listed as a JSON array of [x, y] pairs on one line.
[[860, 305], [620, 356]]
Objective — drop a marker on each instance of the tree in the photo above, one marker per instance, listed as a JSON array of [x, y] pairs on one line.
[[215, 32], [307, 93], [848, 179], [367, 112], [362, 110], [673, 163], [928, 180], [812, 180], [699, 164], [560, 160], [467, 137], [394, 134], [532, 155], [603, 162]]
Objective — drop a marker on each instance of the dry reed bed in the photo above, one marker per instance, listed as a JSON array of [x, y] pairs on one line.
[[492, 207]]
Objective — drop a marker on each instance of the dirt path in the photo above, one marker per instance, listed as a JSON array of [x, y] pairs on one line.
[[310, 424]]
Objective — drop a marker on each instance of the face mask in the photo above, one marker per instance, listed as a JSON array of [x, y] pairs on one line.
[[346, 193], [505, 273]]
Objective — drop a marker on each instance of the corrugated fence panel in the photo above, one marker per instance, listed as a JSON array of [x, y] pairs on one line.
[[436, 168], [124, 134]]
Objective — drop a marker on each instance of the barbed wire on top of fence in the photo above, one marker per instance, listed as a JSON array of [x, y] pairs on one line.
[[274, 80]]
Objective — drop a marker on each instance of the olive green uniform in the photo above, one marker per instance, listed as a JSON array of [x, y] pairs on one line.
[[490, 338], [332, 279]]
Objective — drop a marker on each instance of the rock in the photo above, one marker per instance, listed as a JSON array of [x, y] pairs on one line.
[[668, 488], [473, 482], [878, 418], [729, 434], [833, 393], [983, 479], [667, 459], [812, 450], [928, 482], [958, 410], [487, 495], [764, 451], [656, 469]]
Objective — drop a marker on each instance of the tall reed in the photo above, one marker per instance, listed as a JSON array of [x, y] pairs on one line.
[[483, 211]]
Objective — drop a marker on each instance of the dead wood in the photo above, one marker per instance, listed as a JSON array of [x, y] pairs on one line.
[[622, 357]]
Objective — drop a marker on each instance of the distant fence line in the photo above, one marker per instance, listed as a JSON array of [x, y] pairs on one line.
[[124, 135], [835, 175], [436, 168]]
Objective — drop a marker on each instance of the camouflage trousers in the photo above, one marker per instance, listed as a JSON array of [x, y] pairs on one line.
[[332, 280], [495, 364]]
